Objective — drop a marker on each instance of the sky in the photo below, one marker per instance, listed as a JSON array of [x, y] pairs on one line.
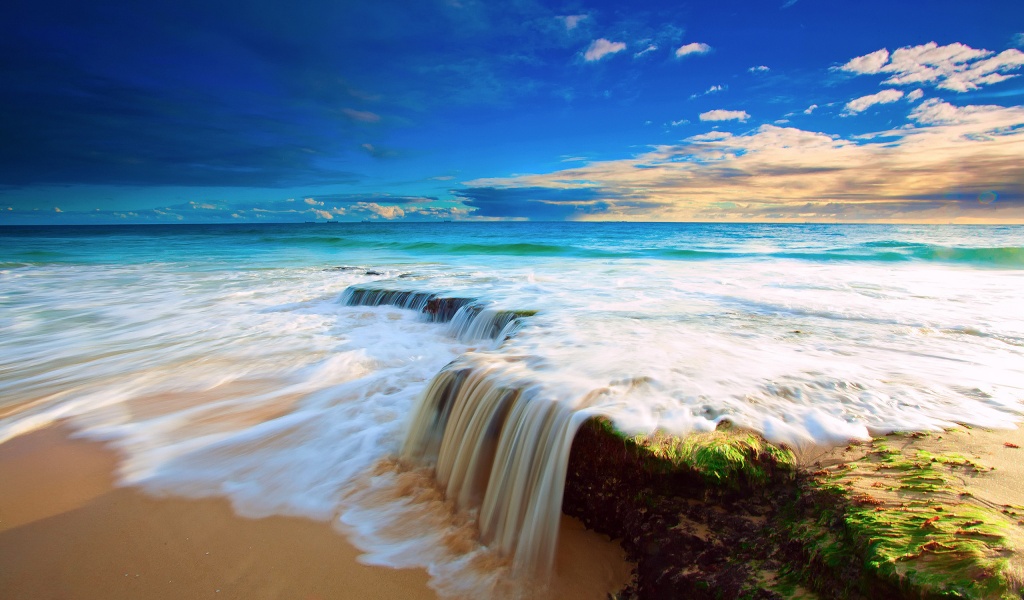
[[768, 111]]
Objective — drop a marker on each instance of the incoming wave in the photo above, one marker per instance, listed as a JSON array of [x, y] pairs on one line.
[[884, 251]]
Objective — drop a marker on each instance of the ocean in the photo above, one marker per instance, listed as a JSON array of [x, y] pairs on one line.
[[349, 371]]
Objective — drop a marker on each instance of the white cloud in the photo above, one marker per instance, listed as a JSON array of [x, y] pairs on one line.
[[323, 214], [571, 21], [649, 48], [759, 69], [936, 112], [601, 48], [57, 209], [867, 64], [724, 115], [361, 115], [312, 202], [692, 48], [711, 90], [956, 67], [915, 95], [810, 109], [679, 122], [859, 105], [711, 136]]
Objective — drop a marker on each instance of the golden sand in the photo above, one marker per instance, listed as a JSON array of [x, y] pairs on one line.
[[67, 532]]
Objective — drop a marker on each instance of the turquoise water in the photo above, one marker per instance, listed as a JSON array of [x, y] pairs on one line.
[[226, 361], [294, 244]]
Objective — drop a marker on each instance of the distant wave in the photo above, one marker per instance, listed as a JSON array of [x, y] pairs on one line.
[[1008, 256], [456, 248], [520, 249], [891, 251], [108, 245]]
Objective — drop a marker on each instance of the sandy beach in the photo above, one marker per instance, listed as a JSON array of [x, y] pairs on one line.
[[1002, 449], [66, 531]]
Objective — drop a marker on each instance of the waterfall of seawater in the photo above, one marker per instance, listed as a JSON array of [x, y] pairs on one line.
[[498, 446], [501, 449]]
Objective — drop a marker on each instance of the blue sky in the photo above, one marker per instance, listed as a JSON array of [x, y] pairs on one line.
[[789, 110]]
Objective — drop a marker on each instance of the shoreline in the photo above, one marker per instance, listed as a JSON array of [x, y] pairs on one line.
[[66, 531]]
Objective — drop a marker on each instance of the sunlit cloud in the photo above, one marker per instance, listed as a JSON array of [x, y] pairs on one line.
[[385, 211], [724, 115], [601, 48], [692, 48], [810, 109], [759, 69], [955, 67], [915, 95], [859, 105], [952, 164], [869, 64]]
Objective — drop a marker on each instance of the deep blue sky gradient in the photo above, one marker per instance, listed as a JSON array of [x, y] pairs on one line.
[[196, 111]]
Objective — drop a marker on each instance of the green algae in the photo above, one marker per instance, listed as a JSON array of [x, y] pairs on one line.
[[893, 521], [727, 457], [902, 515]]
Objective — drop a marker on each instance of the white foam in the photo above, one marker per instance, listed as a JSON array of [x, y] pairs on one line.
[[260, 386]]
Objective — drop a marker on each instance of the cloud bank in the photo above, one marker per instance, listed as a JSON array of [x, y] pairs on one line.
[[946, 166]]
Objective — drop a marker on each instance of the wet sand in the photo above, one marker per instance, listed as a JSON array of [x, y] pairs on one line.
[[1001, 449], [67, 532]]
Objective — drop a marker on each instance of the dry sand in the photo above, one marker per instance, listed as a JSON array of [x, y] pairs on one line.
[[66, 532]]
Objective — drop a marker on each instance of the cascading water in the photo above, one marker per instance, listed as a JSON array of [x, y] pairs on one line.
[[498, 447], [501, 449], [468, 318]]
